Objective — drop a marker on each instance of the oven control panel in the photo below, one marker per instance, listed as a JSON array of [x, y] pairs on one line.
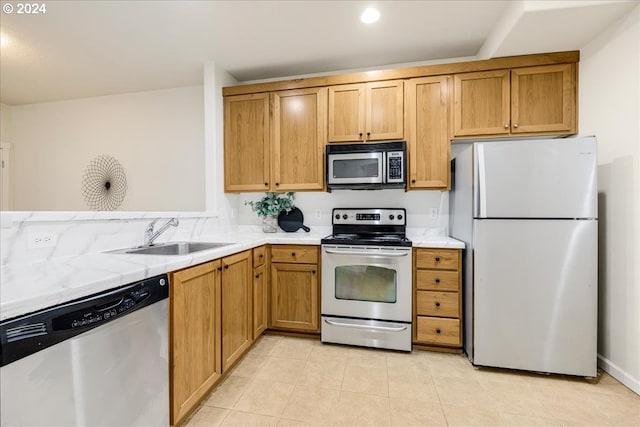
[[355, 216]]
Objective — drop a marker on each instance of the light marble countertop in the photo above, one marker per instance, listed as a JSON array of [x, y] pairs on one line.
[[34, 286]]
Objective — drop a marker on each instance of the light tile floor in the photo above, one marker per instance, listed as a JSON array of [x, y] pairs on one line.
[[292, 382]]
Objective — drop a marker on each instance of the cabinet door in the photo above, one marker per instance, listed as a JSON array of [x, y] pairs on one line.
[[294, 296], [384, 110], [259, 301], [346, 113], [195, 336], [246, 142], [237, 327], [428, 112], [543, 99], [481, 103], [299, 130]]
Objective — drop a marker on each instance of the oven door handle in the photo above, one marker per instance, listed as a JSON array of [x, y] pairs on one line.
[[365, 253], [379, 328]]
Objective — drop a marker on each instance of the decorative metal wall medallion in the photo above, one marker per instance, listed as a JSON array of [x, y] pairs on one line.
[[104, 184]]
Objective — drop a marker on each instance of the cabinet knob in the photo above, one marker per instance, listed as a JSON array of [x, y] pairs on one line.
[[293, 254], [313, 272], [437, 304], [266, 184], [437, 280], [219, 268], [260, 256], [368, 135], [515, 125], [360, 135], [506, 126], [226, 267], [258, 276], [437, 259], [277, 184], [438, 331], [413, 181]]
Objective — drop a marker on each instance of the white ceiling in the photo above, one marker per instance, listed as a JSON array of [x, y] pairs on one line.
[[91, 48]]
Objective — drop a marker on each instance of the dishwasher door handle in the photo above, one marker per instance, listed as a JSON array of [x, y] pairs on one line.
[[378, 328]]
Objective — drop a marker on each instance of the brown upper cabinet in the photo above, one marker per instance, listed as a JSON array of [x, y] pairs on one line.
[[428, 131], [366, 111], [521, 101], [246, 142], [298, 136]]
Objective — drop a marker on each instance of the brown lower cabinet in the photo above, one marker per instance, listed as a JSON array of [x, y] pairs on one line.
[[260, 292], [237, 302], [195, 335], [294, 288], [210, 327], [437, 301]]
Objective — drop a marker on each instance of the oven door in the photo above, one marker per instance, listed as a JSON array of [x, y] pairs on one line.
[[366, 282], [355, 168]]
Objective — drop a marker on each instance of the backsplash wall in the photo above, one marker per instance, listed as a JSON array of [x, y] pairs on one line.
[[419, 205]]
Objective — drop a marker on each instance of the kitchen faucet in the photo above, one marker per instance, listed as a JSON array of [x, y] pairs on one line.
[[150, 235]]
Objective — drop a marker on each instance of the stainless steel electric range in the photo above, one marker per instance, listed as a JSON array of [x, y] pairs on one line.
[[366, 279]]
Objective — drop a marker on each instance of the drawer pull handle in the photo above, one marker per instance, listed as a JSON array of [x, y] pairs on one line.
[[437, 280], [437, 259], [438, 331], [293, 254], [437, 304]]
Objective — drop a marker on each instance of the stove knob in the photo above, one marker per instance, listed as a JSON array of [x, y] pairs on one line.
[[399, 216], [391, 217], [344, 216], [337, 216]]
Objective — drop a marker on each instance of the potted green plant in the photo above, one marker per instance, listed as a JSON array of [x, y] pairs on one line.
[[269, 207]]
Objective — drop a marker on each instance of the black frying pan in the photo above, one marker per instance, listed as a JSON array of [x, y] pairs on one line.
[[292, 220]]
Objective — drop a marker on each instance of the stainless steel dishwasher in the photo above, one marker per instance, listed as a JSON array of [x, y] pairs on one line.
[[96, 361]]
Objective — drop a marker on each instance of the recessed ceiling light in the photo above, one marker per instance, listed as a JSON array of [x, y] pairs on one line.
[[370, 15]]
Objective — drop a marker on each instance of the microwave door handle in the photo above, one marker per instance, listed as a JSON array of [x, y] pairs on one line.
[[369, 254], [384, 161]]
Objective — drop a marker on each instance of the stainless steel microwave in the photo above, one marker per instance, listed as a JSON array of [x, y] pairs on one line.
[[367, 165]]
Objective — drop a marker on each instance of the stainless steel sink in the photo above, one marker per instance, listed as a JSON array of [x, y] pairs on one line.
[[172, 248]]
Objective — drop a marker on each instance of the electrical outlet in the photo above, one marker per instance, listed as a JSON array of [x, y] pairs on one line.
[[318, 213], [434, 213], [42, 239]]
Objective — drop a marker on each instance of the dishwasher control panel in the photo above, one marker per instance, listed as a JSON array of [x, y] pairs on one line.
[[25, 335]]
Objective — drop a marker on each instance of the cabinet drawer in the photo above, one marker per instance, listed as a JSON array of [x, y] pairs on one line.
[[442, 259], [437, 280], [294, 254], [442, 304], [259, 256], [435, 330]]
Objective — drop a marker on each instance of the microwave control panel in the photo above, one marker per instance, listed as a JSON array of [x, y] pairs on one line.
[[395, 167]]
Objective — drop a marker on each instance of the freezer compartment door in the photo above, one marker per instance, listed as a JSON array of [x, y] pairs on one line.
[[535, 295], [536, 179]]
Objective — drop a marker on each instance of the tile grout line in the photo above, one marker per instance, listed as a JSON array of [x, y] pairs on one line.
[[444, 414]]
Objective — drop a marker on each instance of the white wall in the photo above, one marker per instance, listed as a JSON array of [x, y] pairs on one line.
[[157, 136], [5, 123], [610, 109]]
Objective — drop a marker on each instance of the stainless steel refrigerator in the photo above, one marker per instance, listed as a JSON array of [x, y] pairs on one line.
[[527, 211]]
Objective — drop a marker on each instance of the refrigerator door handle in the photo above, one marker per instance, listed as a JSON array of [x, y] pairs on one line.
[[481, 187]]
